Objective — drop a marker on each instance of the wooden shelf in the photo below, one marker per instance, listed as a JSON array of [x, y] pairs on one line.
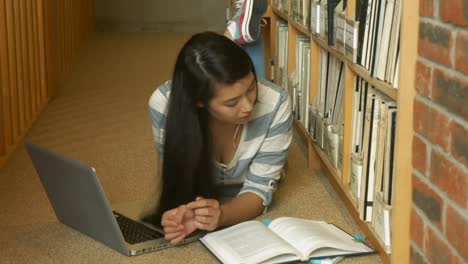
[[299, 27], [382, 86], [280, 13], [324, 45], [331, 169], [267, 13], [344, 193], [301, 130]]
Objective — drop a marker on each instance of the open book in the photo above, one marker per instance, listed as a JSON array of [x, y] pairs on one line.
[[285, 239]]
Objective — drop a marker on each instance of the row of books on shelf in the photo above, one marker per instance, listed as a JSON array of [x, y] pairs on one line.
[[299, 81], [279, 68], [369, 38], [373, 126], [325, 125], [372, 157], [372, 152]]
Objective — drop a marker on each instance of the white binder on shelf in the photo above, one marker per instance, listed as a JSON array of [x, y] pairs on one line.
[[351, 39], [340, 29], [315, 17], [388, 176], [381, 222], [306, 86], [355, 178], [323, 21]]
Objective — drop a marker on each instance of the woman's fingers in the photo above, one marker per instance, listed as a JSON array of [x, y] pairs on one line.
[[173, 217], [206, 223], [204, 211], [169, 218], [169, 222], [179, 215], [171, 236], [205, 207], [177, 239], [170, 229], [201, 214], [205, 219], [207, 213], [203, 203], [205, 226]]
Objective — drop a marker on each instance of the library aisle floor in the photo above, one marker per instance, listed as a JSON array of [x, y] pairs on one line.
[[100, 117]]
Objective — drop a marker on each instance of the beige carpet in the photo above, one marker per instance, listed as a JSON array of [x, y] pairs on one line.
[[101, 118]]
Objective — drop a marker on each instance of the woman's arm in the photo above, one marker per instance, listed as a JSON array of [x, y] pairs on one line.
[[209, 214], [243, 207], [157, 109], [265, 169]]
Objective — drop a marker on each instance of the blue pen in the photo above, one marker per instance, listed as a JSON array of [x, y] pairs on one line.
[[360, 238], [267, 221], [316, 261], [325, 260]]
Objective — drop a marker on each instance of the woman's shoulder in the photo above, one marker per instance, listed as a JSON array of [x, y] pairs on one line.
[[272, 102], [271, 93], [160, 95]]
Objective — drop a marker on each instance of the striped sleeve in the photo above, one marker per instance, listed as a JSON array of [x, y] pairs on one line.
[[267, 164], [158, 109]]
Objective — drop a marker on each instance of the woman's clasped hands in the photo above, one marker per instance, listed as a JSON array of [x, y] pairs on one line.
[[202, 214]]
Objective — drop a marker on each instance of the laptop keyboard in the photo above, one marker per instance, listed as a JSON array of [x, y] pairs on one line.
[[133, 231]]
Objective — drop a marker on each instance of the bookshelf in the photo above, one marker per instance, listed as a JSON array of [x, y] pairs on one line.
[[403, 97]]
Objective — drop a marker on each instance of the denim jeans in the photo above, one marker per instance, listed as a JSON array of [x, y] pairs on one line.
[[256, 52]]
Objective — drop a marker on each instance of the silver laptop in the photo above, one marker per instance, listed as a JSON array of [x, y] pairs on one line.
[[79, 201]]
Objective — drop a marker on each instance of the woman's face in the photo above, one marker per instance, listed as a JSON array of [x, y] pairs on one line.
[[234, 103]]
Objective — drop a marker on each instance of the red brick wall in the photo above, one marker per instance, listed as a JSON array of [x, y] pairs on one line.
[[439, 217]]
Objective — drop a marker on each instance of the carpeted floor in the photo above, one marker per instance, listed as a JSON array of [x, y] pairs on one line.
[[100, 118]]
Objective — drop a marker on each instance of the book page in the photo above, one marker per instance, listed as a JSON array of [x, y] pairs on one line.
[[308, 236], [248, 242]]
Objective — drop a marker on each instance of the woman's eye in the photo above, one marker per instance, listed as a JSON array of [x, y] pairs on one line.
[[231, 104]]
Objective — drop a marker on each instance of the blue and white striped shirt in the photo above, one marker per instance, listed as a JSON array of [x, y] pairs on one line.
[[262, 149]]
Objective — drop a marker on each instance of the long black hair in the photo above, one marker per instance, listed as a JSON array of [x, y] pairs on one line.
[[206, 61]]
